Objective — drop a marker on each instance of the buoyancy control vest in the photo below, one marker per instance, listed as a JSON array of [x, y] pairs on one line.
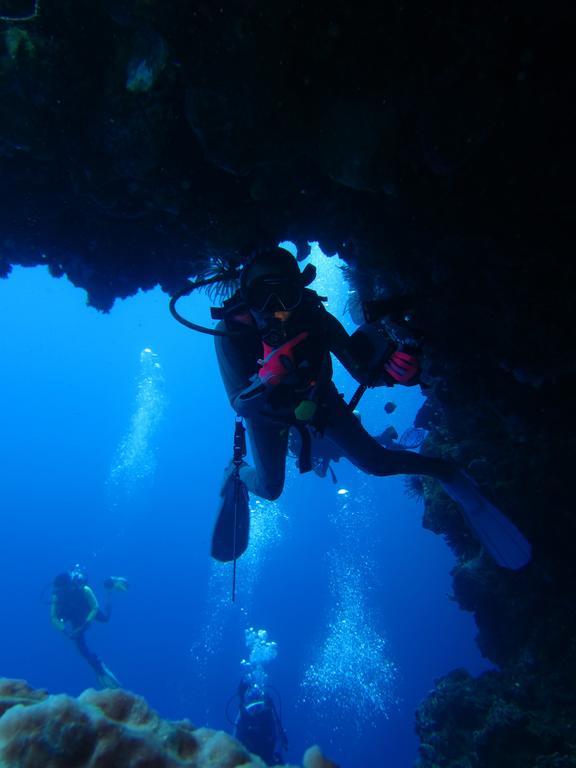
[[310, 358]]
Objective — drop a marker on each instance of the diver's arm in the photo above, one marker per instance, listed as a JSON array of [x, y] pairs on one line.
[[247, 395], [373, 355], [57, 622], [352, 351], [93, 603]]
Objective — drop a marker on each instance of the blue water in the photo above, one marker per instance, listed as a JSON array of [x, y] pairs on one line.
[[112, 456]]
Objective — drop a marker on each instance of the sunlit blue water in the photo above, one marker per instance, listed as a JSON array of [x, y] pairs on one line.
[[115, 433]]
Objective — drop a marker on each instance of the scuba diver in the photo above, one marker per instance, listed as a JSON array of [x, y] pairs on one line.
[[274, 344], [258, 726], [74, 607]]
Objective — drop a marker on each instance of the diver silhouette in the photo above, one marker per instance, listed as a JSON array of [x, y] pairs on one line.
[[74, 607], [258, 725], [274, 345]]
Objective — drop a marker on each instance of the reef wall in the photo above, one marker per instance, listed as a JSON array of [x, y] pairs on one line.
[[428, 144], [138, 139]]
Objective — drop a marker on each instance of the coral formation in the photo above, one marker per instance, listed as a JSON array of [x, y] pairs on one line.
[[108, 729], [498, 720]]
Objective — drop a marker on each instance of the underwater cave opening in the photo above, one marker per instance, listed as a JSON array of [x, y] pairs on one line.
[[343, 576]]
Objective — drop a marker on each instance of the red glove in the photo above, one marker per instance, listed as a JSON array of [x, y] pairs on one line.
[[279, 362], [402, 367]]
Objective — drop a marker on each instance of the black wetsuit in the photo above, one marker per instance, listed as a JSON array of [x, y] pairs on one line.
[[270, 411], [258, 728]]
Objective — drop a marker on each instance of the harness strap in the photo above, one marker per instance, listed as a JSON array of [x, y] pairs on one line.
[[305, 457]]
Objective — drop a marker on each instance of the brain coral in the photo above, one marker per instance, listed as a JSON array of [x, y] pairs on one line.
[[109, 729]]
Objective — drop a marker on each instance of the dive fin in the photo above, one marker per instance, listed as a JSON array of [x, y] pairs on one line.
[[107, 679], [495, 531], [230, 535]]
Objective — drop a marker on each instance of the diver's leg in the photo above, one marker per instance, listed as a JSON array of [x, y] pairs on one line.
[[494, 530], [366, 453], [86, 653], [269, 444], [105, 677]]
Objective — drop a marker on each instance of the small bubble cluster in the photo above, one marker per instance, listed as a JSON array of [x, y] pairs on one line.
[[267, 523], [353, 514], [135, 461], [218, 603], [353, 675], [266, 530], [262, 652]]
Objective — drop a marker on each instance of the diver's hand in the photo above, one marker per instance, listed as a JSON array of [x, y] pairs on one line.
[[72, 633], [260, 399], [255, 391], [400, 367], [273, 400], [383, 357], [403, 367], [252, 399]]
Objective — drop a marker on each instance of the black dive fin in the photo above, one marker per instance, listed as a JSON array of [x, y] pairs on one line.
[[495, 531], [230, 535]]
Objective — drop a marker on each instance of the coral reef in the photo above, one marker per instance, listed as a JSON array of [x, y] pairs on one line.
[[108, 729], [519, 448], [508, 720]]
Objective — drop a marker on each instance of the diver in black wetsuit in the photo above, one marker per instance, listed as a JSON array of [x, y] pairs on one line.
[[74, 607], [276, 366], [296, 336], [258, 726]]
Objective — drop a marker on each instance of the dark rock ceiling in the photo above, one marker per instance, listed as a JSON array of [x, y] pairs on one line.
[[430, 144]]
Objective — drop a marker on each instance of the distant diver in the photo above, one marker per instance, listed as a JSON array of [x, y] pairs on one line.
[[258, 725], [274, 343], [74, 607]]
